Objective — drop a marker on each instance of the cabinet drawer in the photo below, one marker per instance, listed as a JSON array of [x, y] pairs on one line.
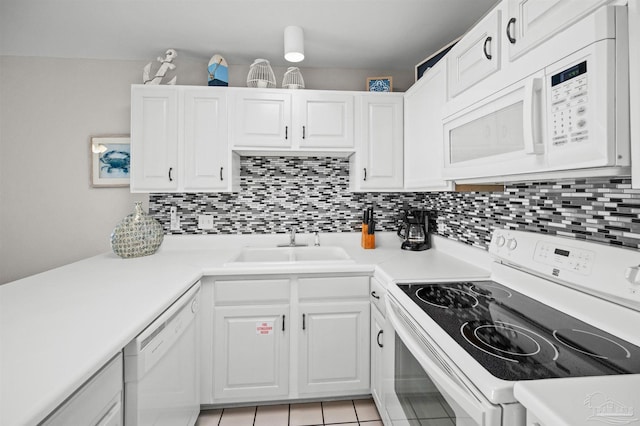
[[333, 287], [251, 291]]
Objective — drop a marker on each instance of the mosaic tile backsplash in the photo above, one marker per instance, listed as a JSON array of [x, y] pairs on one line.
[[312, 194]]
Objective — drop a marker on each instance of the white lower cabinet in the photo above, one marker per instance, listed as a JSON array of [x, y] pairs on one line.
[[251, 352], [97, 403], [285, 338], [334, 348]]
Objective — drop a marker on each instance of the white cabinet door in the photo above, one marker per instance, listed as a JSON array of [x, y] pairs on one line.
[[323, 120], [423, 132], [476, 56], [98, 402], [251, 352], [378, 342], [154, 139], [206, 152], [530, 23], [260, 119], [334, 348], [378, 164]]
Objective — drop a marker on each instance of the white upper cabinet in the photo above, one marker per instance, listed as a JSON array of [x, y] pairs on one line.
[[261, 119], [324, 120], [476, 55], [530, 23], [291, 120], [423, 134], [206, 152], [179, 140], [154, 138], [378, 162]]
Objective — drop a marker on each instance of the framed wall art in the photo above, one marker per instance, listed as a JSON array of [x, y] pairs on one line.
[[110, 161], [380, 84], [430, 61]]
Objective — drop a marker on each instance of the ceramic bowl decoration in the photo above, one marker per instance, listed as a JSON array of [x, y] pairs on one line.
[[137, 235]]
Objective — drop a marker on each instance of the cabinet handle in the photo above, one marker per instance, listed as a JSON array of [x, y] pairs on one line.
[[286, 132], [221, 178], [304, 322], [487, 41], [170, 178], [374, 295], [511, 24], [304, 132], [378, 338], [283, 318], [365, 173]]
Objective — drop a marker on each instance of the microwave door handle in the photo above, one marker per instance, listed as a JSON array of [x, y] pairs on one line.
[[532, 116]]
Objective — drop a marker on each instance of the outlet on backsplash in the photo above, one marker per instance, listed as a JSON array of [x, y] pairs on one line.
[[205, 221], [175, 219]]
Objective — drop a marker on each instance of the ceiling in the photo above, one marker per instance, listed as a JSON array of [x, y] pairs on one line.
[[374, 34]]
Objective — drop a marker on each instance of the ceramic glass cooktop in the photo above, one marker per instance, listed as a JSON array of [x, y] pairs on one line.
[[518, 338]]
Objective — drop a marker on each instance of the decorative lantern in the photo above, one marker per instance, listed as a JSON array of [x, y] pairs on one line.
[[261, 75], [293, 79]]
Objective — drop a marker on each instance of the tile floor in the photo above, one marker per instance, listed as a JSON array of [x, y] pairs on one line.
[[358, 412]]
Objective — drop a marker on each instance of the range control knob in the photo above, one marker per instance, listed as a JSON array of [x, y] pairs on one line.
[[512, 244], [500, 240]]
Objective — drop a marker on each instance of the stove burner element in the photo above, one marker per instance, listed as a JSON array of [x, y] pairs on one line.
[[591, 344], [508, 341], [490, 291], [446, 297]]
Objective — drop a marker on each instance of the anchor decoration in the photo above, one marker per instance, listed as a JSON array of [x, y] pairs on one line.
[[165, 65]]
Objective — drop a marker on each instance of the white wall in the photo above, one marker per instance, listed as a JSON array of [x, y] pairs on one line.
[[49, 109]]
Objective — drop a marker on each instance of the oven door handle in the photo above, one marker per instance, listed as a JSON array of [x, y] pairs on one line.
[[474, 405]]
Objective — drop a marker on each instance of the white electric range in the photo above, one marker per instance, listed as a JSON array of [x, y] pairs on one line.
[[553, 307]]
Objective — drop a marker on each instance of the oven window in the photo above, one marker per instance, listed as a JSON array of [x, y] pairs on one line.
[[420, 400]]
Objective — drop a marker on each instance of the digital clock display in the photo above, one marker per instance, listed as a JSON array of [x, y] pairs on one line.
[[569, 73], [561, 252]]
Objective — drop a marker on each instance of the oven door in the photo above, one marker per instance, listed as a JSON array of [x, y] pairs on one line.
[[424, 386]]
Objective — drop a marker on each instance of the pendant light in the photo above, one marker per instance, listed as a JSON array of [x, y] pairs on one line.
[[293, 44]]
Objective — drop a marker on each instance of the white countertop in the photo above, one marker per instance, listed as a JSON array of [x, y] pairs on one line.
[[59, 327], [582, 400]]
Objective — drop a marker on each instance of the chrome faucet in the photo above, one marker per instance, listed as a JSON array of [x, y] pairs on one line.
[[292, 237]]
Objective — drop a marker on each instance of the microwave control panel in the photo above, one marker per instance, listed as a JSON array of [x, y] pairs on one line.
[[569, 109]]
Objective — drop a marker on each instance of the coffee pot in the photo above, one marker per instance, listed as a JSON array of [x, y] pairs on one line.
[[413, 230]]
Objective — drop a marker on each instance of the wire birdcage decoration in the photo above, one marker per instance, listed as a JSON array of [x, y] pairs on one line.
[[293, 79], [261, 74]]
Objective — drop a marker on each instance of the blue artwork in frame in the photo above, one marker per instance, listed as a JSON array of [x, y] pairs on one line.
[[380, 84], [111, 161]]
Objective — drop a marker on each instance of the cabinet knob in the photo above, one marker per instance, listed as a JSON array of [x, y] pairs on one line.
[[286, 132], [365, 173], [221, 177], [374, 295], [511, 24], [304, 132], [170, 177], [378, 338]]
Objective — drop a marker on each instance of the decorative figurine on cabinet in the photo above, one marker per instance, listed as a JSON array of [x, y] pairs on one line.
[[165, 65], [218, 71]]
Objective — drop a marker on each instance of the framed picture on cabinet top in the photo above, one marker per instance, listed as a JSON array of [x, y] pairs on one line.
[[430, 61], [380, 84], [110, 161]]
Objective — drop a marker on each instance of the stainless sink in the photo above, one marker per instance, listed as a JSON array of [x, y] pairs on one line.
[[289, 255]]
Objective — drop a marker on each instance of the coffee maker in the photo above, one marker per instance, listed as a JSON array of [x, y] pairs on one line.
[[413, 230]]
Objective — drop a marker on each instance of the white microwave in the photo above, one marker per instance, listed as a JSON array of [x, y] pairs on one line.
[[571, 114]]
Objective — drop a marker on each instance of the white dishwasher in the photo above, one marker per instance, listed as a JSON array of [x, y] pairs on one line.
[[161, 373]]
